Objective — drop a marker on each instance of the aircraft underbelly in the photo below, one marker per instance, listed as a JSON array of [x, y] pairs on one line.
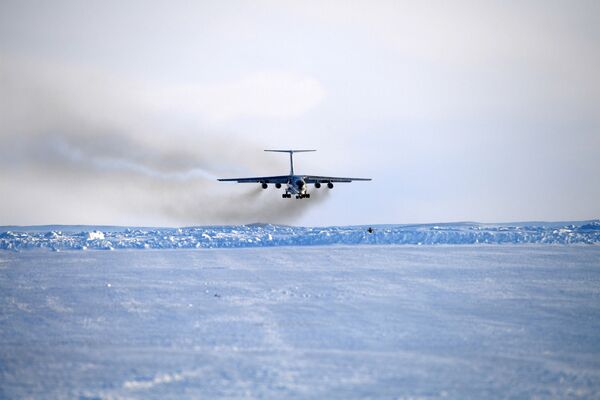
[[293, 189]]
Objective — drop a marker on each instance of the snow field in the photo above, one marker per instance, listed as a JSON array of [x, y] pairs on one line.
[[336, 322]]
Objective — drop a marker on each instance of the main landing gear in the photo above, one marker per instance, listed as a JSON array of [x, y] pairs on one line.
[[298, 196]]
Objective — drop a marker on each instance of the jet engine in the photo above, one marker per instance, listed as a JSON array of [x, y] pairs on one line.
[[317, 184], [330, 185], [264, 185]]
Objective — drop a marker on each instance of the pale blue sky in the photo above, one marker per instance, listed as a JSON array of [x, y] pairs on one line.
[[124, 112]]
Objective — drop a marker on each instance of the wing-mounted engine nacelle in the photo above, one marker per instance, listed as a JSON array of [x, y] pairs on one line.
[[278, 185], [317, 185], [330, 185], [264, 185]]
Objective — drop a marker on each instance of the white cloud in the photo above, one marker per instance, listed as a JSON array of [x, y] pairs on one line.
[[278, 95]]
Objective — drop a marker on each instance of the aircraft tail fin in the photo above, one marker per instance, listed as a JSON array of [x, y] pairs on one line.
[[291, 152]]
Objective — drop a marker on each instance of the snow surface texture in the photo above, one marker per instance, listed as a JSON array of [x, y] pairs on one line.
[[335, 322], [265, 235]]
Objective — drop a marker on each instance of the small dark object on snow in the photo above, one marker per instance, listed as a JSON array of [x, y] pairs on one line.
[[370, 230]]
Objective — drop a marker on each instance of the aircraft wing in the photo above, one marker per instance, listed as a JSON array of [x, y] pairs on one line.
[[259, 179], [325, 179]]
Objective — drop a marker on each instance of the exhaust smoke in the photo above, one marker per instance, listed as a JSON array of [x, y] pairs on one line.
[[81, 148]]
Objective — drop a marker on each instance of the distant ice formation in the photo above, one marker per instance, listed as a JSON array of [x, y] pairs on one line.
[[265, 235]]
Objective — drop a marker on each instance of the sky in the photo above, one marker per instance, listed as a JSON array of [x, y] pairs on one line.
[[125, 113]]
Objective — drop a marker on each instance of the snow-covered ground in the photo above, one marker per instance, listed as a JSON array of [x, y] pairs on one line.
[[265, 235], [319, 322]]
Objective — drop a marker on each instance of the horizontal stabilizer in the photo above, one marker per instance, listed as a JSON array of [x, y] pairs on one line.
[[290, 151]]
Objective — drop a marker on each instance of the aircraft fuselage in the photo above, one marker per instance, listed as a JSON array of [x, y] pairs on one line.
[[296, 185]]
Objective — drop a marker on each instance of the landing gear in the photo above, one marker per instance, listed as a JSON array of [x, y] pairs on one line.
[[298, 196]]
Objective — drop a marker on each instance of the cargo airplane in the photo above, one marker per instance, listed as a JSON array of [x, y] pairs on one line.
[[295, 184]]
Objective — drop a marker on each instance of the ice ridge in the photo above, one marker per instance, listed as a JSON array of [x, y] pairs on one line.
[[265, 235]]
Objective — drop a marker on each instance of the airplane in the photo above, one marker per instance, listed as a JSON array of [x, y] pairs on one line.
[[296, 184]]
